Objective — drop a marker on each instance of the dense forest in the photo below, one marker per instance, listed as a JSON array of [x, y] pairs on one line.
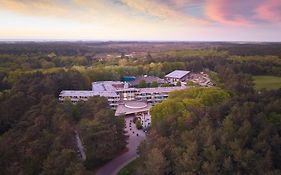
[[230, 129], [203, 131], [38, 132]]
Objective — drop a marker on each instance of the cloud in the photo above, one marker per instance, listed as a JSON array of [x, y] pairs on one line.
[[173, 12], [269, 10], [183, 3], [164, 10], [244, 12], [152, 8], [229, 12], [38, 7], [92, 18]]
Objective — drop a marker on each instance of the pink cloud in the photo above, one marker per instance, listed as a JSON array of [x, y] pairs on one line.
[[269, 10], [229, 12], [243, 12]]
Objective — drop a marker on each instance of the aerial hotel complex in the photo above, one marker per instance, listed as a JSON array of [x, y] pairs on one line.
[[126, 98]]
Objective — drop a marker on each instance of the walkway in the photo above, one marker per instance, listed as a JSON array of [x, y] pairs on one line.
[[80, 146], [115, 165]]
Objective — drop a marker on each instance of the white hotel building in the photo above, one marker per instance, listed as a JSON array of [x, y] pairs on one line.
[[118, 92], [127, 100], [124, 100]]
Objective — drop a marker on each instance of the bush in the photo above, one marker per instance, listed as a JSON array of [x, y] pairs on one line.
[[138, 124], [135, 119], [142, 84]]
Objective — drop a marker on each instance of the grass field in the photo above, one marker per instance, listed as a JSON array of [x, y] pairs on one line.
[[129, 169], [267, 82]]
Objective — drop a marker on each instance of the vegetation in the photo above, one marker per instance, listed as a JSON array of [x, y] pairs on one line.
[[154, 84], [180, 105], [198, 53], [209, 131], [102, 133], [267, 82], [129, 169], [142, 84], [38, 132], [138, 124], [231, 129]]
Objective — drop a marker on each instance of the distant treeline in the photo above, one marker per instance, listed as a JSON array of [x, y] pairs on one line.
[[82, 48]]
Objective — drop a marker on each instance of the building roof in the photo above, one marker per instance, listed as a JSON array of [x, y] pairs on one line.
[[76, 93], [147, 79], [132, 107], [161, 89], [107, 88], [135, 104], [101, 86], [177, 74], [128, 78]]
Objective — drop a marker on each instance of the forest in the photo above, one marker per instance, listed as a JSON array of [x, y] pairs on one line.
[[233, 128]]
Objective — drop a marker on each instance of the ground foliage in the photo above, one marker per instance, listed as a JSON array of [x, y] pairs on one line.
[[38, 132], [233, 129], [203, 131]]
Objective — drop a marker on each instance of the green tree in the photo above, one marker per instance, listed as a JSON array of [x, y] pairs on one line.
[[220, 136], [154, 84], [138, 124], [63, 163], [102, 133], [142, 84], [165, 85], [155, 163]]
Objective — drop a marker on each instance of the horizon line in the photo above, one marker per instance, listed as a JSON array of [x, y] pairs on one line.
[[106, 40]]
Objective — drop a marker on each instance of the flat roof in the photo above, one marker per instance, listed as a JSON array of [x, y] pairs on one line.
[[132, 107], [100, 86], [76, 93], [135, 104], [177, 74], [107, 88], [161, 89], [111, 88]]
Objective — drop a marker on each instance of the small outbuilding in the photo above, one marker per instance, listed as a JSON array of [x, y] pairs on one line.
[[177, 76]]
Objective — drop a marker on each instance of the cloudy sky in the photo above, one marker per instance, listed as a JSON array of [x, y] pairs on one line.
[[177, 20]]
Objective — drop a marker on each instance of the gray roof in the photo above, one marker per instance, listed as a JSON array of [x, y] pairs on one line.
[[106, 88], [69, 93], [123, 109], [101, 86], [177, 74], [161, 89]]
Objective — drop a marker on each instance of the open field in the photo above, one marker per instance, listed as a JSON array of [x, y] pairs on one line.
[[267, 82], [129, 169]]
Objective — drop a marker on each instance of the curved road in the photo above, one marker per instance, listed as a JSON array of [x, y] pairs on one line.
[[115, 165]]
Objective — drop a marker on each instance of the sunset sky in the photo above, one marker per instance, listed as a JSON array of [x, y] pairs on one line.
[[177, 20]]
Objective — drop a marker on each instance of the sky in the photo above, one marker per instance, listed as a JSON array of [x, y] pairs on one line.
[[143, 20]]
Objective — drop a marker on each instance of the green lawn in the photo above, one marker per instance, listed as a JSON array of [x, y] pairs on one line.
[[129, 169], [267, 82]]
